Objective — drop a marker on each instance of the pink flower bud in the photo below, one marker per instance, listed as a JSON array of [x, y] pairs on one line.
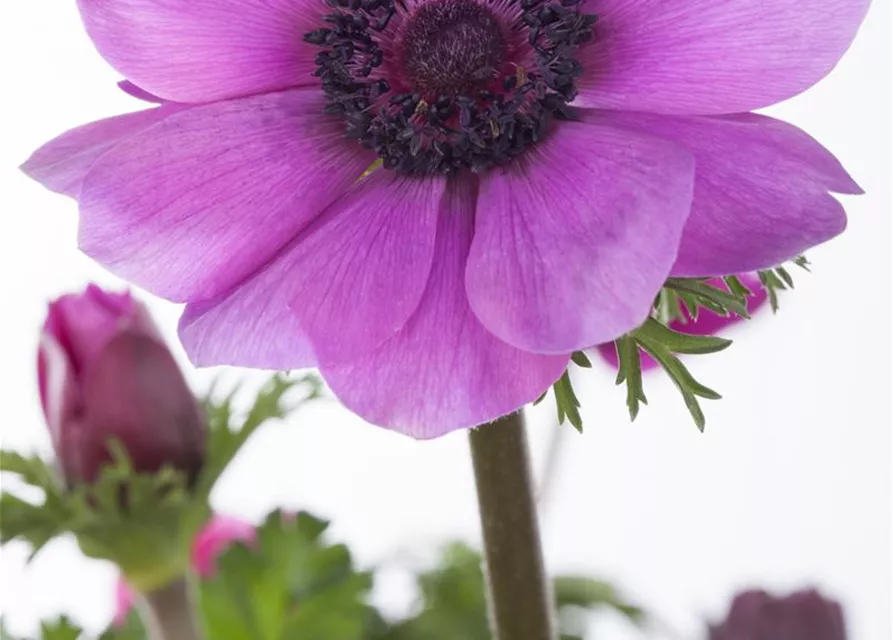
[[805, 615], [104, 372], [213, 540]]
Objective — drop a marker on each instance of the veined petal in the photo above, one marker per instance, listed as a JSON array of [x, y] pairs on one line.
[[62, 164], [205, 50], [711, 56], [444, 371], [192, 206], [761, 190], [574, 239], [344, 286]]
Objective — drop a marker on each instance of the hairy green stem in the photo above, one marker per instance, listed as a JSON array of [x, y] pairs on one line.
[[519, 594]]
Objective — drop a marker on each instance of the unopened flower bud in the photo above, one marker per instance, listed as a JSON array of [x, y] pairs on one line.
[[105, 373]]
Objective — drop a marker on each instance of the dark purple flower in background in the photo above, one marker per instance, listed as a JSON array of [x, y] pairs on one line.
[[805, 615], [707, 323], [545, 166], [104, 372]]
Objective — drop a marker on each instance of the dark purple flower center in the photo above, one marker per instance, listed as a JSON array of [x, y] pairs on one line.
[[452, 47], [438, 86]]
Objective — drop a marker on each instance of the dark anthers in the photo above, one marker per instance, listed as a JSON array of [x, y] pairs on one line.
[[471, 125]]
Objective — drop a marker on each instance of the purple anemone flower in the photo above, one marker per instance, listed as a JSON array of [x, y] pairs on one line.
[[707, 323], [540, 167]]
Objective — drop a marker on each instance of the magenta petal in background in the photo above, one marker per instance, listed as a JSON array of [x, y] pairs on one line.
[[707, 323], [761, 190], [444, 370], [62, 163], [574, 239], [346, 285], [712, 56], [202, 200], [205, 50]]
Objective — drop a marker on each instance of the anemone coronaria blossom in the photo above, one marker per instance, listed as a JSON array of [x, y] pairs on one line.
[[540, 167]]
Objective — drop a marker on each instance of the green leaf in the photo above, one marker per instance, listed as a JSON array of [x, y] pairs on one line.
[[289, 584], [630, 371], [225, 440], [589, 593], [698, 292], [654, 332], [567, 405], [779, 279], [581, 360], [60, 629], [132, 629], [453, 601], [683, 380]]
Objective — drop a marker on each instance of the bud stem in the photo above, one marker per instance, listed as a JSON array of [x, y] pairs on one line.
[[169, 614], [519, 595]]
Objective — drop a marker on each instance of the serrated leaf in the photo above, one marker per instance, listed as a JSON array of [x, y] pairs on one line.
[[655, 333], [630, 371], [683, 380], [31, 470], [289, 584], [226, 439], [697, 292]]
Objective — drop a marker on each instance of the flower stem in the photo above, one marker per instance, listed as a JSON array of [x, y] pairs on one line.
[[169, 612], [520, 598]]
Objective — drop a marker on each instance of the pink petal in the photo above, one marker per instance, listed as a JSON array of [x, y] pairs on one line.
[[213, 540], [62, 163], [60, 394], [761, 191], [138, 92], [205, 50], [573, 240], [192, 206], [444, 370], [712, 56], [706, 324], [346, 285]]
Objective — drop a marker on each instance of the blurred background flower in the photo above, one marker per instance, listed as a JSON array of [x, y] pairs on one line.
[[804, 615]]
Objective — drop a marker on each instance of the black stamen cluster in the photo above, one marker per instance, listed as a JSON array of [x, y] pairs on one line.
[[423, 134]]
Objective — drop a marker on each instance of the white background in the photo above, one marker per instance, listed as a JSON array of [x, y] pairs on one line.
[[789, 486]]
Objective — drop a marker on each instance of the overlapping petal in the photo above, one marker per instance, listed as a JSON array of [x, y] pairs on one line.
[[712, 56], [574, 239], [444, 370], [62, 163], [347, 284], [204, 50], [761, 190], [192, 206]]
